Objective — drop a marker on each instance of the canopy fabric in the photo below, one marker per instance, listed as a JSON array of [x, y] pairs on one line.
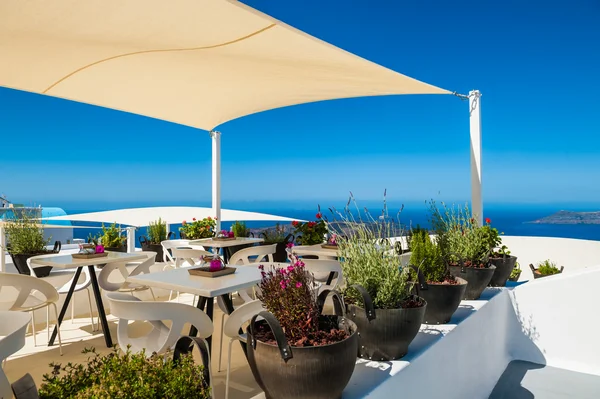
[[194, 62], [139, 217]]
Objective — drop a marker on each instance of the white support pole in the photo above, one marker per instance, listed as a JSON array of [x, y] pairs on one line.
[[131, 239], [2, 249], [475, 128], [216, 177]]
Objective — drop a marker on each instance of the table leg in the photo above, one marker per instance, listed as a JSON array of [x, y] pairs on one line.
[[100, 306], [200, 305], [63, 310], [209, 304]]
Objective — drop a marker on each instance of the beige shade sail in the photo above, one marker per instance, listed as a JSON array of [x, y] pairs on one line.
[[195, 62], [139, 217]]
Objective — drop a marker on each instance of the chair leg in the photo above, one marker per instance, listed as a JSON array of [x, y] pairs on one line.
[[91, 312], [33, 328], [152, 292], [58, 329], [73, 308], [228, 370], [221, 342], [47, 324]]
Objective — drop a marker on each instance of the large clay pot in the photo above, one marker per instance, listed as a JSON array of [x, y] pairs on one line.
[[504, 266], [384, 334]]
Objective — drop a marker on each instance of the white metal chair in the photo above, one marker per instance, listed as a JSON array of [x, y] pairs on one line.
[[323, 267], [128, 308], [86, 284], [32, 294], [234, 322], [123, 285], [13, 327]]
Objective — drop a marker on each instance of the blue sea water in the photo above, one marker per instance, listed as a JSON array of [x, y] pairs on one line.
[[508, 219]]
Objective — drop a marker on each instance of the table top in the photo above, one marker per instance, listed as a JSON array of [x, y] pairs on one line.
[[209, 287], [210, 242], [67, 261], [314, 250]]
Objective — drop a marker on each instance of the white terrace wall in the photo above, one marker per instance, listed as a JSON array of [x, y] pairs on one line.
[[559, 316], [570, 253]]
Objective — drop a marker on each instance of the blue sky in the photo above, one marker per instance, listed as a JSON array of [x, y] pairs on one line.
[[535, 62]]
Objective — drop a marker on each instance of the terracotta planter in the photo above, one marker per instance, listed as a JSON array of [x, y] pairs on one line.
[[537, 274], [504, 266]]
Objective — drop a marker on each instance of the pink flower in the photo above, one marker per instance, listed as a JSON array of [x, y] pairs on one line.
[[99, 249], [183, 223], [289, 244], [261, 267], [298, 284], [283, 284], [231, 234], [209, 218], [290, 268]]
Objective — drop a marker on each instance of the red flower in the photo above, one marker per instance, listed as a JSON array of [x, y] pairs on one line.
[[488, 221], [194, 219], [311, 224], [295, 223], [209, 218], [318, 216]]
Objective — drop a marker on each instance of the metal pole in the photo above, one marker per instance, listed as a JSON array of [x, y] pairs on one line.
[[216, 177], [130, 239], [475, 128], [2, 248]]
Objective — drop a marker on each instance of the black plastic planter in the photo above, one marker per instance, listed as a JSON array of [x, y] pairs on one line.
[[280, 254], [442, 300], [504, 266], [477, 279], [158, 248], [537, 274], [316, 372], [384, 334], [20, 262]]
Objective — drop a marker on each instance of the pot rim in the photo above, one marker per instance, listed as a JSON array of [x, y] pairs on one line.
[[502, 257], [394, 309], [490, 267], [354, 331], [461, 280]]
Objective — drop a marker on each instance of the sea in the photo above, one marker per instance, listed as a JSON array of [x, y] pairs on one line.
[[509, 219]]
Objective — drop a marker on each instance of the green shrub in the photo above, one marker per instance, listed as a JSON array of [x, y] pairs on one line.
[[127, 376], [515, 271], [547, 268], [239, 229], [274, 235], [412, 232], [203, 228], [111, 236], [24, 234], [157, 231], [426, 255]]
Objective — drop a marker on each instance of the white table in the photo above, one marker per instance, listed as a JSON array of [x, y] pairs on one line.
[[225, 244], [207, 288], [68, 262]]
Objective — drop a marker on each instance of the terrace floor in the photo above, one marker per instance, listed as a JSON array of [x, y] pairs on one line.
[[526, 380]]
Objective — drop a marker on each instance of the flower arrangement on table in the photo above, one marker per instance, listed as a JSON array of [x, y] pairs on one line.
[[312, 232], [225, 234], [91, 249], [215, 265], [203, 228]]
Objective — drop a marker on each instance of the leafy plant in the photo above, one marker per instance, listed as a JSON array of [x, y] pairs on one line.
[[310, 233], [547, 268], [491, 235], [203, 228], [459, 237], [126, 375], [239, 229], [426, 255], [112, 237], [412, 232], [368, 258], [274, 235], [500, 252], [25, 234], [516, 271], [157, 231]]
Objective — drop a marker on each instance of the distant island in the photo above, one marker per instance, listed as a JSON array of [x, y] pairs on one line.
[[570, 217]]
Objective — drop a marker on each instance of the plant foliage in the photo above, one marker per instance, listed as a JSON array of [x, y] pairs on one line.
[[157, 231], [275, 235], [369, 259], [204, 228], [126, 375], [312, 232], [24, 234], [112, 236], [547, 268], [426, 255], [240, 230]]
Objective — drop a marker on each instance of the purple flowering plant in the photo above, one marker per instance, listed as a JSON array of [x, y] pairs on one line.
[[286, 293]]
